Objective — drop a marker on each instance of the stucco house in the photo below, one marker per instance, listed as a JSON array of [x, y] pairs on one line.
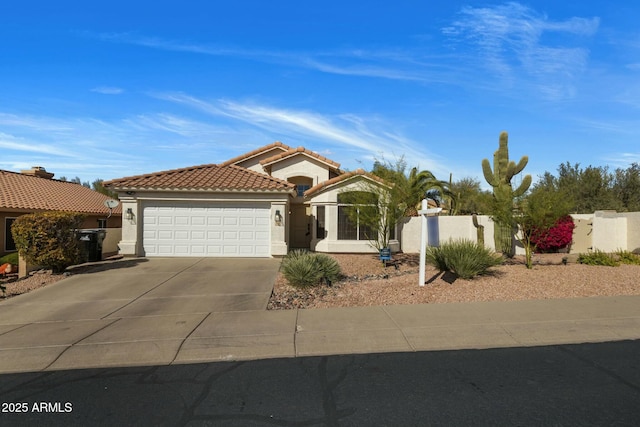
[[259, 204], [35, 190]]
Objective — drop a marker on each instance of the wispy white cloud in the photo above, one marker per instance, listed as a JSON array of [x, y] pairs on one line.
[[70, 146], [622, 160], [92, 148], [190, 47], [508, 41], [366, 137], [108, 90], [10, 142], [39, 123], [171, 123], [392, 64]]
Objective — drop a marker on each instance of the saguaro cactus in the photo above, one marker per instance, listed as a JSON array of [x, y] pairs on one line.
[[479, 230], [503, 193]]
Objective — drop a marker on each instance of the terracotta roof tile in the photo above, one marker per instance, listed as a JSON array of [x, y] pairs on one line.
[[204, 177], [326, 184], [295, 151], [255, 152], [31, 193]]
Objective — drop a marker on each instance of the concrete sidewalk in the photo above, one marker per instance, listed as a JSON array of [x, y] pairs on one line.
[[130, 340]]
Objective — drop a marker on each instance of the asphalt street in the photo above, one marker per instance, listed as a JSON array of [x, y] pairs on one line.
[[562, 385]]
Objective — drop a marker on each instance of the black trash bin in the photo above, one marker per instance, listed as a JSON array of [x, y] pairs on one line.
[[91, 244]]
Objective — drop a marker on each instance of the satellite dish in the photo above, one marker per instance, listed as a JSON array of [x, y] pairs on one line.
[[111, 203]]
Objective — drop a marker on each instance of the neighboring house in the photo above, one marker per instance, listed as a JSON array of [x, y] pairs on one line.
[[259, 204], [34, 190]]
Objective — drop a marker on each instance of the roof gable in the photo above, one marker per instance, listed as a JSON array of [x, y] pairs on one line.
[[340, 179], [21, 192], [300, 151], [208, 177], [275, 147]]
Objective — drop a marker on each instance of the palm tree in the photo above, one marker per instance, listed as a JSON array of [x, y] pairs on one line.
[[415, 186], [424, 184]]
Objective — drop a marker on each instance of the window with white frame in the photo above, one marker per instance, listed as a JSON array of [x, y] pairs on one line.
[[350, 228]]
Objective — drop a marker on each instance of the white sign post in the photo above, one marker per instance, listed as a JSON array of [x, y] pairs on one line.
[[423, 238]]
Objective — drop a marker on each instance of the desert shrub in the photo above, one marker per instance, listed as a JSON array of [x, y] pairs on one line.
[[464, 258], [436, 257], [329, 267], [626, 257], [556, 237], [11, 258], [302, 268], [49, 239], [598, 257]]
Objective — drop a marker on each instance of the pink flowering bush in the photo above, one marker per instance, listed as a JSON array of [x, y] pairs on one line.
[[557, 237]]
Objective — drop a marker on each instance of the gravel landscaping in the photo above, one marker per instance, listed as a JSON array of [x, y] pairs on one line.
[[36, 280], [367, 282]]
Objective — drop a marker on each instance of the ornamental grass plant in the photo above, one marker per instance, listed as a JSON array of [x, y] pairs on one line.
[[465, 258], [303, 269], [598, 257]]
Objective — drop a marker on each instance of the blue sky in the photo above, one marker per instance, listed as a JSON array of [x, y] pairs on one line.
[[112, 89]]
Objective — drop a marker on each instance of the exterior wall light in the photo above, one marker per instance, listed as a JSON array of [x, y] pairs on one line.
[[278, 218], [129, 214]]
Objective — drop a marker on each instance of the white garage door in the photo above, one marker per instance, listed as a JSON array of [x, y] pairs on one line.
[[206, 229]]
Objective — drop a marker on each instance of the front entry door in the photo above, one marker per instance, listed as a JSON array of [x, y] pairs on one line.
[[300, 231]]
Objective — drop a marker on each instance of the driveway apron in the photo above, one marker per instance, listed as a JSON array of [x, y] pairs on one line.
[[132, 311]]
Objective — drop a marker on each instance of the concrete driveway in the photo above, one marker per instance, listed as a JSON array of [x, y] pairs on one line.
[[128, 311], [175, 311]]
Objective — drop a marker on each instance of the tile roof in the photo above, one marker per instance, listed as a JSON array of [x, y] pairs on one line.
[[31, 193], [347, 175], [204, 177], [256, 152], [295, 151]]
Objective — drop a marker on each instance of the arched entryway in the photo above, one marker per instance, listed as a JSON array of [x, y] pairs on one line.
[[300, 215]]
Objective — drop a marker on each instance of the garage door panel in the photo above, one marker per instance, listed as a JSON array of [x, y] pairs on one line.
[[197, 250], [177, 235], [150, 235], [230, 220], [246, 235], [230, 250], [214, 250], [230, 235], [166, 220], [206, 229], [198, 235], [247, 222], [198, 220]]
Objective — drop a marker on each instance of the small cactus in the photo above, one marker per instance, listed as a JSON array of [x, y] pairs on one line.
[[479, 230]]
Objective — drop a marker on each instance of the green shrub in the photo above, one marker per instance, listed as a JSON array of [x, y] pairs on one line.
[[49, 239], [329, 267], [627, 257], [464, 258], [302, 268], [11, 258], [598, 257]]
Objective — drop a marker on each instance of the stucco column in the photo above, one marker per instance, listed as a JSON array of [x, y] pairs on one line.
[[128, 245], [331, 222], [279, 228]]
